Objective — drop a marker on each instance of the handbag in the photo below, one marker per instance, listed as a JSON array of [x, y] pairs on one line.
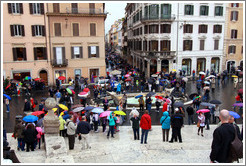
[[198, 124]]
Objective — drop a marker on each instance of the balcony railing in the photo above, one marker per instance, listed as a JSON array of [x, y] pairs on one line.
[[160, 54], [59, 63], [84, 11], [169, 17]]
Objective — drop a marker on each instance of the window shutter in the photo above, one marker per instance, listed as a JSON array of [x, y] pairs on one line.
[[191, 26], [33, 30], [43, 31], [35, 53], [24, 54], [57, 29], [231, 15], [14, 54], [9, 8], [184, 45], [89, 51], [199, 29], [236, 34], [221, 11], [97, 48], [169, 28], [162, 6], [191, 45], [42, 8], [56, 8], [31, 8], [169, 9], [184, 29], [63, 54], [214, 29], [45, 52], [201, 44], [231, 4], [81, 52], [72, 53], [236, 15], [23, 30], [157, 28], [168, 45], [12, 30], [200, 10], [207, 7], [21, 8], [54, 53], [206, 29], [192, 9], [229, 49]]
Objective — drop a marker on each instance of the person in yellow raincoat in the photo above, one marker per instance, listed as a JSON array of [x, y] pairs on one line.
[[62, 126]]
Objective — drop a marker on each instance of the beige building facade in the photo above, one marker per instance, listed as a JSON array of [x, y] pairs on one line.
[[69, 41], [233, 41]]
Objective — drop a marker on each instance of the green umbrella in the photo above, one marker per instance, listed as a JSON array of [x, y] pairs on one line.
[[69, 91]]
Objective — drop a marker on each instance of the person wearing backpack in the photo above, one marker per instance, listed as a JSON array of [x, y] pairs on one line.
[[165, 122], [223, 136]]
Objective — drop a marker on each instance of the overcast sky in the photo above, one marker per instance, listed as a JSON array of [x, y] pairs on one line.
[[116, 10]]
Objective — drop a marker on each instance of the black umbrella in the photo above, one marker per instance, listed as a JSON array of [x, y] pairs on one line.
[[215, 102], [205, 104], [150, 94], [178, 104], [192, 95]]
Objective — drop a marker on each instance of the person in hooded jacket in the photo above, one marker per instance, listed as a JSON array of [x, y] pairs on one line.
[[71, 129], [165, 123], [30, 136], [112, 119]]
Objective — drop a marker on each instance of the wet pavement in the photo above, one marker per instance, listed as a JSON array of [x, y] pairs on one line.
[[225, 93]]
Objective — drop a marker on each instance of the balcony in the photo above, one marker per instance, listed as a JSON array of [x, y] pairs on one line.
[[170, 17], [79, 12], [61, 63], [156, 54]]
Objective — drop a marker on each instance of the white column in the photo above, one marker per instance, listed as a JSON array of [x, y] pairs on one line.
[[148, 69], [208, 64], [158, 65], [194, 64]]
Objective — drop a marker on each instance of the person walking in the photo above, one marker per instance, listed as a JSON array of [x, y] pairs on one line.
[[141, 104], [190, 112], [201, 123], [18, 133], [222, 138], [207, 119], [7, 105], [149, 103], [71, 129], [105, 103], [158, 104], [235, 81], [27, 106], [176, 124], [83, 130], [118, 89], [145, 124], [58, 96], [135, 126], [112, 119], [95, 121], [213, 84], [33, 105], [164, 107], [193, 74], [165, 122]]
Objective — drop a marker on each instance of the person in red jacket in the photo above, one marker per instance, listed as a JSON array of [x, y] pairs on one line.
[[145, 124], [32, 104], [164, 108]]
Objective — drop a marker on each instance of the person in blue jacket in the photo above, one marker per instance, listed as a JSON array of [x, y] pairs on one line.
[[112, 119], [118, 88], [165, 123]]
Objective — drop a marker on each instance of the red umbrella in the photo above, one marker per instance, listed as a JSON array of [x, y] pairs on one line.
[[203, 111], [128, 79], [37, 79], [157, 73], [240, 91], [61, 78], [37, 113], [8, 86], [159, 97], [86, 90], [95, 76], [73, 91]]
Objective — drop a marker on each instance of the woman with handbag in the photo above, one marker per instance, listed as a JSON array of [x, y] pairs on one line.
[[201, 123], [165, 122]]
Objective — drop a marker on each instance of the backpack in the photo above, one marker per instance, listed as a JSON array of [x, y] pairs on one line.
[[236, 148]]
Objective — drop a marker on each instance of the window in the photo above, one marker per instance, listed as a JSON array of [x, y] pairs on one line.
[[203, 10], [216, 44], [165, 28], [234, 15], [234, 4], [146, 11], [19, 54], [218, 11], [203, 28], [17, 30], [189, 9], [15, 8], [92, 29], [233, 34], [217, 28], [188, 28], [36, 8], [76, 52], [57, 29], [154, 29], [40, 53], [146, 27], [38, 30], [93, 51], [74, 8], [165, 45], [187, 45], [56, 8], [232, 50], [202, 44], [166, 10], [77, 72], [92, 8], [154, 11], [75, 29]]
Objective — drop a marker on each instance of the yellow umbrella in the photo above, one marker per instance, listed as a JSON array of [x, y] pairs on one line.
[[234, 76], [174, 70], [63, 107], [70, 83], [119, 113], [54, 109]]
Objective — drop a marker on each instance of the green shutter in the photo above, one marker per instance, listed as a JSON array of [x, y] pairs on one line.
[[192, 9], [207, 10], [157, 11], [162, 6], [221, 11], [146, 11], [169, 9]]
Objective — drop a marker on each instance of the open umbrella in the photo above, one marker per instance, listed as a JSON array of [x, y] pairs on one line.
[[240, 91], [178, 104], [203, 111], [61, 78], [159, 97], [192, 95], [234, 114], [30, 118], [154, 75], [63, 107], [174, 70], [8, 86], [115, 72], [83, 94], [128, 79], [238, 105], [7, 96], [185, 79], [138, 96], [215, 102], [69, 91], [105, 114], [150, 94], [77, 105], [205, 104], [78, 109], [86, 90], [37, 79], [127, 75], [27, 78], [88, 108], [54, 109], [73, 91], [119, 113], [206, 82], [202, 73], [134, 111], [234, 76], [97, 110], [188, 102], [37, 113]]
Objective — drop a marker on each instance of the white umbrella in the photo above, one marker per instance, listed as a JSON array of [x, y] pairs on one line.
[[78, 109], [188, 102], [115, 72], [202, 73], [154, 75], [185, 79], [134, 111]]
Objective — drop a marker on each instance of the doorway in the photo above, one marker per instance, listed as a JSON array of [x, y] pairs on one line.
[[94, 74], [165, 66], [44, 76]]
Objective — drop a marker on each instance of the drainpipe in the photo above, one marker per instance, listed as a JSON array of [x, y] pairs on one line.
[[177, 48]]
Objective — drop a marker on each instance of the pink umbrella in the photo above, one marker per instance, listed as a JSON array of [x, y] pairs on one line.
[[83, 94], [127, 75], [73, 91], [167, 100], [39, 129], [105, 114], [203, 111]]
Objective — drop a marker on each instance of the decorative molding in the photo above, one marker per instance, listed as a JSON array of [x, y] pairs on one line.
[[217, 37], [187, 37], [202, 37]]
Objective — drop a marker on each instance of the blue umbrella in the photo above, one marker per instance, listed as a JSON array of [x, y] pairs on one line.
[[199, 80], [97, 110], [88, 108], [138, 96], [234, 114], [30, 118], [7, 96]]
